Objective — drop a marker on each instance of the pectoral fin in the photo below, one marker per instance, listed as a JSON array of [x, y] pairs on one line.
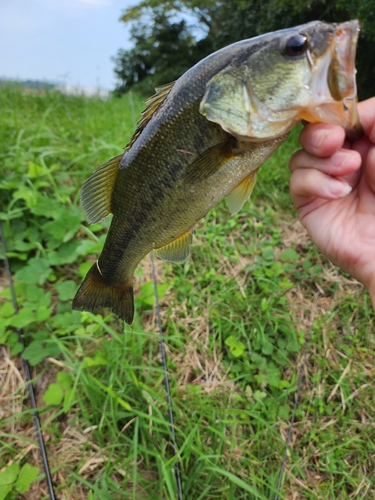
[[241, 193], [178, 250], [96, 194]]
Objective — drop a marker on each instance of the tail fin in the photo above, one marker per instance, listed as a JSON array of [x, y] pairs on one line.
[[95, 293]]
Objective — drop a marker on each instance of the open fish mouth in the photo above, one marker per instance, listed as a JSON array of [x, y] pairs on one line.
[[334, 89], [341, 75]]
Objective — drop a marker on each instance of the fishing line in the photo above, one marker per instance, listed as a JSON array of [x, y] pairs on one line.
[[26, 368], [166, 382], [296, 402]]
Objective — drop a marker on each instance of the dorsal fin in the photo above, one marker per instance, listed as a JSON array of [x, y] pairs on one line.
[[153, 103], [96, 193]]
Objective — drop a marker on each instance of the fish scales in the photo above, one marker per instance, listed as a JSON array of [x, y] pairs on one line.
[[203, 138], [168, 195]]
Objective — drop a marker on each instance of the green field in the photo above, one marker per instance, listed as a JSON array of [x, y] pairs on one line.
[[236, 315]]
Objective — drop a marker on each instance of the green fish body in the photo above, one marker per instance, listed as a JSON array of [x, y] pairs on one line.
[[203, 138]]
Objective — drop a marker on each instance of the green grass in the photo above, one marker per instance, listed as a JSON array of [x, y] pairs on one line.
[[236, 316]]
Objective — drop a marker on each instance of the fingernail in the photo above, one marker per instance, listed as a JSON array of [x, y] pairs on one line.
[[338, 158], [319, 137], [338, 188]]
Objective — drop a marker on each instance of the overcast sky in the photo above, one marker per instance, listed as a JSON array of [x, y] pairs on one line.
[[69, 41]]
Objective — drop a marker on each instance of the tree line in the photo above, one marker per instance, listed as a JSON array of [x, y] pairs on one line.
[[170, 36]]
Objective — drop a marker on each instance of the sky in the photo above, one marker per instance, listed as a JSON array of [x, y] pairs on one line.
[[65, 41]]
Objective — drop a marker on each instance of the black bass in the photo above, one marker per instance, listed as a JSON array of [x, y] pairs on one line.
[[203, 138]]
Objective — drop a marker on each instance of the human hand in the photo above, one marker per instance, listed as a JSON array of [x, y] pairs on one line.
[[333, 188]]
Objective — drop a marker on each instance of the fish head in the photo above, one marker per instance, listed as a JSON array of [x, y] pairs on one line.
[[276, 80]]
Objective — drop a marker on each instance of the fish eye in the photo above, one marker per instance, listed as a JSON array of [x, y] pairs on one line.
[[296, 45]]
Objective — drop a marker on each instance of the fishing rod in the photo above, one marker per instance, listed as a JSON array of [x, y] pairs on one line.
[[27, 371], [166, 382]]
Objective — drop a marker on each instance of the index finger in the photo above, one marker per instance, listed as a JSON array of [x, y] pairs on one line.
[[322, 139]]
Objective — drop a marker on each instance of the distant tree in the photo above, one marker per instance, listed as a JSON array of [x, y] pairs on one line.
[[221, 22], [162, 52]]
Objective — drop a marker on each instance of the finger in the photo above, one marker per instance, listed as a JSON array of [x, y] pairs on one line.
[[366, 111], [322, 139], [342, 162], [309, 183]]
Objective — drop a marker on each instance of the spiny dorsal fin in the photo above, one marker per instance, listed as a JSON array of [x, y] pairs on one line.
[[241, 193], [153, 104], [96, 194], [178, 250]]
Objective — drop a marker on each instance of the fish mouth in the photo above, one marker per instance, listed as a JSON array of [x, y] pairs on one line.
[[341, 74], [334, 83]]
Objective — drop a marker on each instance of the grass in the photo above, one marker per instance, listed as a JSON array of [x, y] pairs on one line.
[[236, 316]]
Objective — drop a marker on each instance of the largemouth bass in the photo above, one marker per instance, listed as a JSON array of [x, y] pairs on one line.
[[203, 138]]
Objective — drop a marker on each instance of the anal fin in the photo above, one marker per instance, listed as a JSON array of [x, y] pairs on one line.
[[241, 193], [178, 250]]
